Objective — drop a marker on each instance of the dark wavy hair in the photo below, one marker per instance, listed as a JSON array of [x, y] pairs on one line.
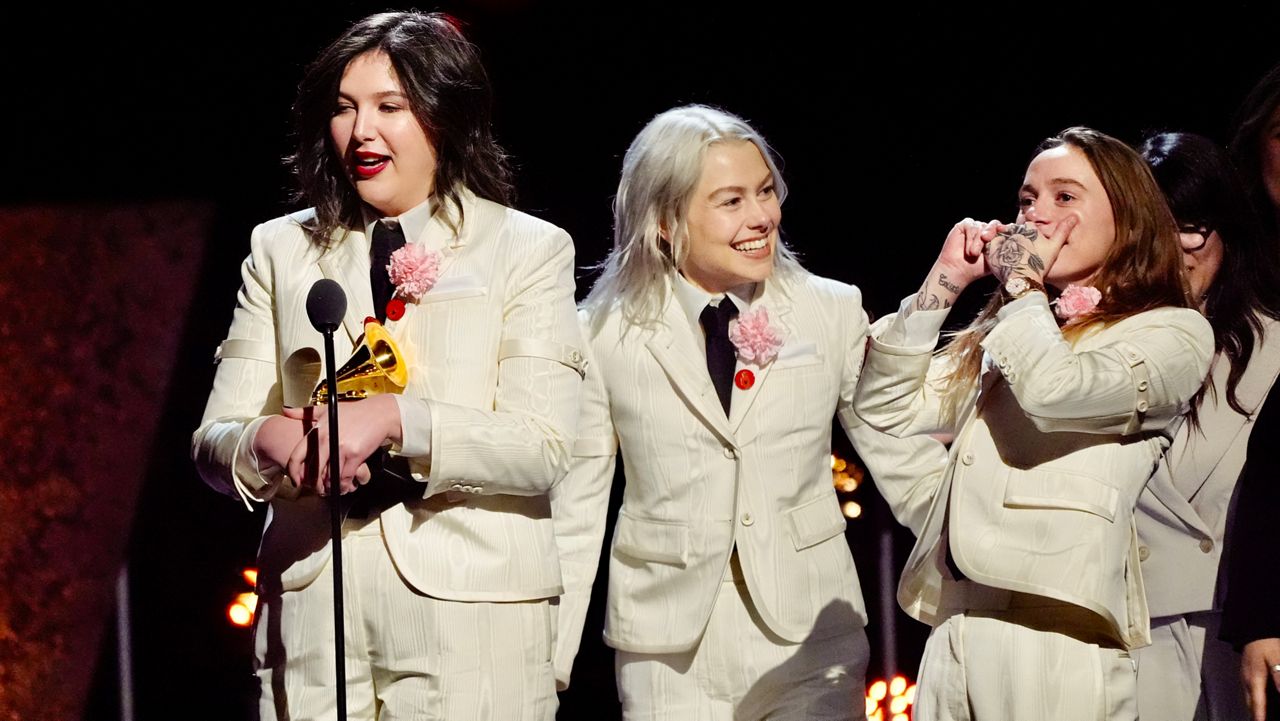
[[1246, 145], [1203, 188], [448, 92]]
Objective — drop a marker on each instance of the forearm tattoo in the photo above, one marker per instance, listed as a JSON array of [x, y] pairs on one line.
[[930, 301]]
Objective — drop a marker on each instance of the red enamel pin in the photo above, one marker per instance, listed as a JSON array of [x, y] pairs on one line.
[[744, 379], [395, 309]]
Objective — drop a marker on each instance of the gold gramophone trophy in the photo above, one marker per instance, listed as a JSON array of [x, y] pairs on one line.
[[375, 367]]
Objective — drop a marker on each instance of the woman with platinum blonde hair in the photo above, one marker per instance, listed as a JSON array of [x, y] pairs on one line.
[[716, 365], [659, 174]]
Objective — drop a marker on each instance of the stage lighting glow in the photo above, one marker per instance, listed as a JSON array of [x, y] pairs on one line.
[[240, 611], [890, 699]]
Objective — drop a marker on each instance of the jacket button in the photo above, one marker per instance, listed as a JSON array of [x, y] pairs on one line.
[[1143, 553], [1206, 545], [1142, 406], [967, 458], [747, 520], [730, 453], [1142, 385]]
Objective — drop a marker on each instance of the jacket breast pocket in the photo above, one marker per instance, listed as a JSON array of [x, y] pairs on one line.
[[1045, 488], [797, 355], [814, 521], [647, 540]]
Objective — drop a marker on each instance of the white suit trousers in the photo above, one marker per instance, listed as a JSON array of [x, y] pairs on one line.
[[1032, 661], [409, 656], [740, 671]]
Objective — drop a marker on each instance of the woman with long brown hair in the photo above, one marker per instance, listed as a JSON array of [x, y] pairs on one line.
[[1061, 396]]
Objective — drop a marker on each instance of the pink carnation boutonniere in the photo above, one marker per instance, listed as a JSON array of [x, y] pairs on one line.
[[1076, 301], [414, 270], [756, 340]]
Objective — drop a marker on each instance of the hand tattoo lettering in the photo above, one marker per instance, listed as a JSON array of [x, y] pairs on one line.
[[953, 287]]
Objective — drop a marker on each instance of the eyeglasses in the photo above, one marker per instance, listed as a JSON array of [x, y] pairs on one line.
[[1187, 233]]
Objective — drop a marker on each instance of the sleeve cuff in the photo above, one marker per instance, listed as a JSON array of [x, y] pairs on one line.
[[904, 330], [251, 481]]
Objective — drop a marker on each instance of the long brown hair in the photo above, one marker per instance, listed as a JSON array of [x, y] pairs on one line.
[[1141, 271]]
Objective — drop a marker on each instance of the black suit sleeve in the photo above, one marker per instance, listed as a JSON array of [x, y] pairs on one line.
[[1252, 607]]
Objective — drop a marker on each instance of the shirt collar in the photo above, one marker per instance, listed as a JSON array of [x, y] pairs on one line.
[[413, 221], [694, 299]]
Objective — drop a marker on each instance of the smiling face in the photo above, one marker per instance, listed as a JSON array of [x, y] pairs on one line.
[[380, 143], [1061, 183], [732, 219]]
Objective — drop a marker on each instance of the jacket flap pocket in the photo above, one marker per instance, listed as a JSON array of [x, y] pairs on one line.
[[1061, 489], [659, 541], [815, 521]]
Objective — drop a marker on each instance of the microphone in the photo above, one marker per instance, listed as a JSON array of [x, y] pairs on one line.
[[326, 304]]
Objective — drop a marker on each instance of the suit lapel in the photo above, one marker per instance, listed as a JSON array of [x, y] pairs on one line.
[[676, 351], [1195, 461], [347, 264], [779, 308]]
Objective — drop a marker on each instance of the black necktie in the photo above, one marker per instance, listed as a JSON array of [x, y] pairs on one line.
[[386, 240], [721, 357]]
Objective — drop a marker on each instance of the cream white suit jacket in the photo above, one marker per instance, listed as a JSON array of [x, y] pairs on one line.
[[1183, 513], [1053, 447], [699, 483], [494, 366]]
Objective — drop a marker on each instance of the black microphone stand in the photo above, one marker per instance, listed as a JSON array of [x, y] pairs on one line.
[[326, 304]]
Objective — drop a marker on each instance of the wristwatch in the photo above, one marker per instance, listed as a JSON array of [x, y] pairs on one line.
[[1019, 285]]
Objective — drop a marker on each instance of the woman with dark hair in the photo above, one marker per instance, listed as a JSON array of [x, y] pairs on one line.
[[1027, 564], [449, 554], [1250, 619], [1184, 512], [1255, 147]]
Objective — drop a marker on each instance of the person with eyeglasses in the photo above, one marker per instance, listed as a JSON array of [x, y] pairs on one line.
[[1184, 514]]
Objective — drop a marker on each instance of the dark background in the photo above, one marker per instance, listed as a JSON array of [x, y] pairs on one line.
[[893, 121]]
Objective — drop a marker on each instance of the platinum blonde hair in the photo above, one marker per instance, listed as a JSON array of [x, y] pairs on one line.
[[659, 175]]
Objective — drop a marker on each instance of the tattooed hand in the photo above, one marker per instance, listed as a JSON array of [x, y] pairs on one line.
[[1021, 250], [961, 257]]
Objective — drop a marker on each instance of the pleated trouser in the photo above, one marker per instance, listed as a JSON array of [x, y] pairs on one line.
[[408, 656], [1034, 658], [740, 671]]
